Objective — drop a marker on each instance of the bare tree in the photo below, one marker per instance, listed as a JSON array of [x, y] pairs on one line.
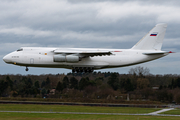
[[139, 71]]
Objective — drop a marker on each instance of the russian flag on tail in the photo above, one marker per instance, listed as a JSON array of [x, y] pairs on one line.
[[154, 34]]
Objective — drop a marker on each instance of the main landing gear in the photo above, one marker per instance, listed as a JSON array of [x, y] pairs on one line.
[[26, 68], [82, 69]]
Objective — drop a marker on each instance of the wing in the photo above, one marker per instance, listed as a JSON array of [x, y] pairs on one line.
[[82, 52]]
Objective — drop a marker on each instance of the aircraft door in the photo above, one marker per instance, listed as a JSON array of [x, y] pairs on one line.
[[31, 61]]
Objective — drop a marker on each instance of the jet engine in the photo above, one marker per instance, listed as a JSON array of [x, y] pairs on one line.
[[66, 58]]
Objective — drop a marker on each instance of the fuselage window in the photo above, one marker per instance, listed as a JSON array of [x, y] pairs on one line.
[[15, 56]]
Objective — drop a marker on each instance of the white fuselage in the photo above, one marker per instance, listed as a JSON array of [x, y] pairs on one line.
[[44, 57]]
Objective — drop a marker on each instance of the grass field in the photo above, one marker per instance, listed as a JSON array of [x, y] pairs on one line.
[[63, 108], [40, 116]]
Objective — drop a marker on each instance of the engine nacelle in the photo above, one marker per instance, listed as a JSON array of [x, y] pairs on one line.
[[67, 58]]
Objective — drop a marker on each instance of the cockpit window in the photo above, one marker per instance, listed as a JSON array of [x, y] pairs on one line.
[[20, 49]]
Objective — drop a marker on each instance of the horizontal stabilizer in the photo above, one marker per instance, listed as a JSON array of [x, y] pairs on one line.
[[157, 53]]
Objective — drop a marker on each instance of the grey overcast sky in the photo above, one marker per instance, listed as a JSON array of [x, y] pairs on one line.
[[88, 24]]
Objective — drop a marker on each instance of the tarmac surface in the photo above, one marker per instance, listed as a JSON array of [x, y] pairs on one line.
[[84, 113], [160, 111]]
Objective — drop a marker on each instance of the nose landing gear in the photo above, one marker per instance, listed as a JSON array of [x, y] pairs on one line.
[[82, 69], [26, 68]]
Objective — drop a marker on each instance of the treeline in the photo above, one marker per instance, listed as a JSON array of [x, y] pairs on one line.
[[137, 85]]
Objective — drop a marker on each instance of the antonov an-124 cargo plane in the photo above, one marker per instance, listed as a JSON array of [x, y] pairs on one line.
[[87, 60]]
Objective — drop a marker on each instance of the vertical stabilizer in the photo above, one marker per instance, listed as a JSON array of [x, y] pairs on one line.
[[153, 40]]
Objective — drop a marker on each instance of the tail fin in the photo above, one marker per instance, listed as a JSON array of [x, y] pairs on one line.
[[153, 40]]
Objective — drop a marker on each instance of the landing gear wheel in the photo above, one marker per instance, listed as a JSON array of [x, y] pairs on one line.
[[26, 69], [82, 69], [77, 71]]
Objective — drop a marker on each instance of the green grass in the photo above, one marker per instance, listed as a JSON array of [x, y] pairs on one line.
[[65, 108], [40, 116], [172, 112], [81, 100]]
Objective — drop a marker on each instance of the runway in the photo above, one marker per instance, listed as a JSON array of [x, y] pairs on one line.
[[86, 113]]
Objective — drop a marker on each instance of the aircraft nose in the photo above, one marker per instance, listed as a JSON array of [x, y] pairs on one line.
[[6, 59]]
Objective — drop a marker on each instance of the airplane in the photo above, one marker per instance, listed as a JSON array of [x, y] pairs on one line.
[[88, 60]]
